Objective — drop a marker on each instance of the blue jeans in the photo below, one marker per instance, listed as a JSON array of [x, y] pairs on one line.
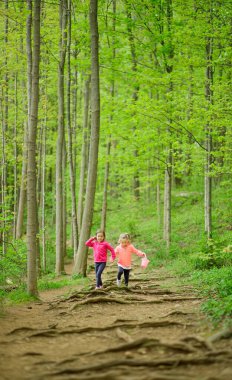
[[99, 267]]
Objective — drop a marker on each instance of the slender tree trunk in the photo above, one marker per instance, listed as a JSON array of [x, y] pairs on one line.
[[5, 130], [60, 142], [31, 172], [3, 184], [70, 145], [15, 156], [84, 153], [23, 186], [168, 170], [136, 182], [43, 224], [208, 131], [105, 190], [64, 162], [108, 148], [81, 259]]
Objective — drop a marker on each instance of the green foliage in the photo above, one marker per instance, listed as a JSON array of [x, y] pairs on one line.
[[13, 264], [18, 295], [213, 254], [216, 284], [52, 282]]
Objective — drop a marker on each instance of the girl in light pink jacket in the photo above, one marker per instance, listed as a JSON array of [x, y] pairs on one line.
[[124, 252]]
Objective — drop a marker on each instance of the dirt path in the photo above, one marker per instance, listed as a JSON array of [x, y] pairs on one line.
[[153, 330]]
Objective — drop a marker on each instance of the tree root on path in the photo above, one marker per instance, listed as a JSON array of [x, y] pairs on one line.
[[129, 300], [147, 342], [173, 363], [175, 312], [199, 342], [224, 334], [56, 332]]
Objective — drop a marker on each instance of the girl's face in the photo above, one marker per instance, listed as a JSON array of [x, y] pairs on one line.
[[100, 237], [124, 242]]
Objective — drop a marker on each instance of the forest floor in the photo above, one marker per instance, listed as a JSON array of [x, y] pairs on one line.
[[153, 330]]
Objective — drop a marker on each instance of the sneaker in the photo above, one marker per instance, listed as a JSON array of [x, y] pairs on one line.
[[118, 282], [98, 287]]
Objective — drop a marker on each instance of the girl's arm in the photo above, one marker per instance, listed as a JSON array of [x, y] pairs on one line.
[[111, 249], [137, 252], [90, 242]]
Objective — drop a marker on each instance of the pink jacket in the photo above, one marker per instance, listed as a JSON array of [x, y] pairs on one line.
[[124, 255], [100, 250]]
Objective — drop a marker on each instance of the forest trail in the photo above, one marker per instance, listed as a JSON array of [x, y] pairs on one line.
[[153, 330]]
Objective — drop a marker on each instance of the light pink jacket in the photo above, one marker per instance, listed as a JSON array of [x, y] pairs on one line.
[[124, 255]]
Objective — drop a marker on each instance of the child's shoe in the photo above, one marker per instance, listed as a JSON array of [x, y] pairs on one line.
[[118, 282]]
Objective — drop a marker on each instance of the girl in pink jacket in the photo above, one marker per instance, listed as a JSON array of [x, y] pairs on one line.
[[100, 248], [124, 252]]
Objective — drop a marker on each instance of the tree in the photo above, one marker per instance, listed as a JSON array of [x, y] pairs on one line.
[[31, 171], [60, 142], [81, 258]]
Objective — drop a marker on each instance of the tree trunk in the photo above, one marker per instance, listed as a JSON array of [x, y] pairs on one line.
[[84, 153], [168, 170], [70, 145], [208, 131], [105, 190], [108, 148], [15, 156], [31, 172], [81, 259], [23, 186], [136, 182], [60, 142]]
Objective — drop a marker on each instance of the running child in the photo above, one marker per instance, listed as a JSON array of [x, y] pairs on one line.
[[100, 248], [124, 253]]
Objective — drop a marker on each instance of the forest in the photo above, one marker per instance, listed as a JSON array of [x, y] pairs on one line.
[[116, 114]]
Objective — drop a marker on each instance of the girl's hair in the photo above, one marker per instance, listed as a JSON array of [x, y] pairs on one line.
[[124, 236], [101, 232]]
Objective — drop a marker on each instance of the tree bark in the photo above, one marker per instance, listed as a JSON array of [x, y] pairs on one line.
[[108, 148], [31, 171], [208, 132], [81, 259], [15, 156], [136, 182], [60, 142], [168, 170], [70, 145], [84, 153], [23, 186]]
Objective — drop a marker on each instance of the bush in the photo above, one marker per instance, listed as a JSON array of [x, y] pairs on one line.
[[13, 264], [213, 254], [216, 284]]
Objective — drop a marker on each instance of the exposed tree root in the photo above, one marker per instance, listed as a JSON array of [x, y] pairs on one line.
[[133, 324], [175, 312], [123, 335], [224, 334], [198, 341], [148, 342], [136, 363], [118, 373], [99, 300]]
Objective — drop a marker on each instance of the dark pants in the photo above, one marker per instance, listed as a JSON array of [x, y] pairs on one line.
[[99, 267], [126, 273]]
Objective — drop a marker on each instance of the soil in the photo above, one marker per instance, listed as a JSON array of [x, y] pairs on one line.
[[152, 330]]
